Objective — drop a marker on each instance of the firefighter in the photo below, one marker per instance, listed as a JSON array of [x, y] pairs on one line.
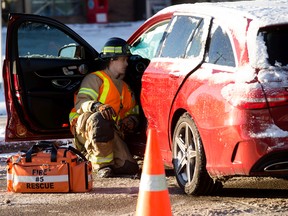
[[105, 109]]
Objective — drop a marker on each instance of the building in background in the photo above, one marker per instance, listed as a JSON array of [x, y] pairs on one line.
[[90, 11], [68, 11]]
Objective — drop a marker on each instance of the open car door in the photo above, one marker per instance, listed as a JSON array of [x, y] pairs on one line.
[[43, 68]]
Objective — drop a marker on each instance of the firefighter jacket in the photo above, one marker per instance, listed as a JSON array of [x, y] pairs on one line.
[[99, 86]]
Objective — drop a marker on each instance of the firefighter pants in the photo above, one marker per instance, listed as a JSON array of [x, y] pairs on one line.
[[102, 144]]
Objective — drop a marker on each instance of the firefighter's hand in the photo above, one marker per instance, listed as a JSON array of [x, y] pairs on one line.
[[106, 110], [129, 124]]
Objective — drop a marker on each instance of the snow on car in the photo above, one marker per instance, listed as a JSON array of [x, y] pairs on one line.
[[211, 78]]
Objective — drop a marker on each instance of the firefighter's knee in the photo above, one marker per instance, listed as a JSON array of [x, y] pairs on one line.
[[100, 129]]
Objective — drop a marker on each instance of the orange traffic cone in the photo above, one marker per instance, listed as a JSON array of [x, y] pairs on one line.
[[153, 197]]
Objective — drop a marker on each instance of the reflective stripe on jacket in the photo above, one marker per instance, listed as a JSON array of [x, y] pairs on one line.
[[123, 104], [100, 160]]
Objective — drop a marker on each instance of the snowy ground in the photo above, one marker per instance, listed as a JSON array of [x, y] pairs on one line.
[[95, 34]]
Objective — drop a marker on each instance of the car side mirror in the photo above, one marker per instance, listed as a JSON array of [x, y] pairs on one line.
[[72, 51]]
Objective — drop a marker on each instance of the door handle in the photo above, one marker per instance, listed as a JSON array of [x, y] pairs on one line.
[[175, 74], [61, 83]]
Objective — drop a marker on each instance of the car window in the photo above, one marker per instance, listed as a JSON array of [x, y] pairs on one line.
[[40, 40], [180, 31], [195, 45], [148, 43], [220, 49], [277, 45]]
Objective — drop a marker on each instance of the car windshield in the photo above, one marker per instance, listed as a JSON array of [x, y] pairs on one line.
[[277, 45], [147, 45]]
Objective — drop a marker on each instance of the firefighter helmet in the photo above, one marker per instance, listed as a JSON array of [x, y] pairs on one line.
[[115, 47]]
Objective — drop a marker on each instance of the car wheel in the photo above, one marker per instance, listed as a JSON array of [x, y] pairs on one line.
[[189, 159]]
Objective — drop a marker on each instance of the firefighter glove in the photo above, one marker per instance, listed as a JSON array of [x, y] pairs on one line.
[[129, 124], [106, 110]]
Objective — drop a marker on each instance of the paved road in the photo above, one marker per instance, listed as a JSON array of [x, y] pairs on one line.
[[240, 196], [118, 196]]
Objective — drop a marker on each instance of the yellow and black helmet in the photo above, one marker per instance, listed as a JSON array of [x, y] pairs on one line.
[[115, 47]]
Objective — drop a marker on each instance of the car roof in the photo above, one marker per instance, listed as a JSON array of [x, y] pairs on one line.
[[264, 12]]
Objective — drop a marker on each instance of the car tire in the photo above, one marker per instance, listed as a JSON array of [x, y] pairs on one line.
[[189, 160]]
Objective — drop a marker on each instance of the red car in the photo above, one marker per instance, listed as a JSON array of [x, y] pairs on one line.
[[212, 78]]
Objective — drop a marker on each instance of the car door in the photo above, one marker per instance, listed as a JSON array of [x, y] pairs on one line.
[[44, 64], [180, 53]]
